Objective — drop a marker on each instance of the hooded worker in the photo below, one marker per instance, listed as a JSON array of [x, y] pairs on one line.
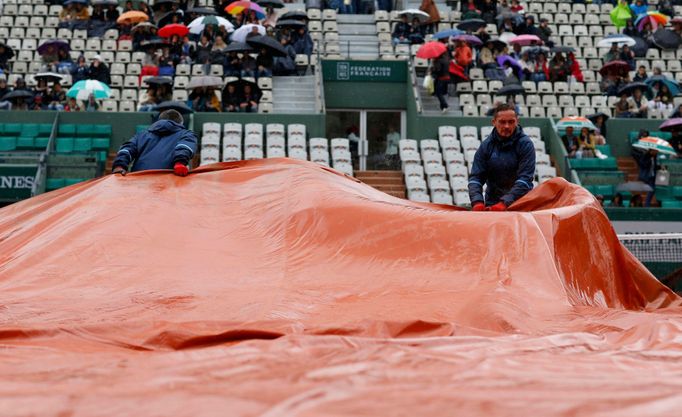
[[505, 161], [166, 144]]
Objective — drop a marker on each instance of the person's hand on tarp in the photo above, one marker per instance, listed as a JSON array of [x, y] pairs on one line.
[[498, 207], [119, 170], [181, 169], [478, 207]]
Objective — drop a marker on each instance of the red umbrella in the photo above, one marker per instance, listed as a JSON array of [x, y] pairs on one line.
[[173, 29], [431, 50], [457, 72], [615, 68]]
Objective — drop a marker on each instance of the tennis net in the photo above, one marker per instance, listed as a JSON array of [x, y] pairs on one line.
[[654, 247]]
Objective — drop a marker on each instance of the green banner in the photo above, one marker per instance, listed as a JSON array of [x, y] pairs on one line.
[[16, 181], [365, 71]]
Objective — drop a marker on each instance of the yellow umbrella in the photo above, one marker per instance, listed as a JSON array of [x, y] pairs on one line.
[[132, 17]]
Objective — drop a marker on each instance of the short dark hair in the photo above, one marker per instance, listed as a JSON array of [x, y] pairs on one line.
[[503, 107], [172, 115]]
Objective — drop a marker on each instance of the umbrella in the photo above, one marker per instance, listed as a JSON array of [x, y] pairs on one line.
[[173, 29], [445, 34], [507, 36], [633, 187], [50, 77], [197, 25], [620, 15], [159, 3], [290, 23], [275, 4], [17, 94], [654, 18], [412, 13], [143, 25], [615, 68], [525, 40], [8, 53], [167, 18], [205, 81], [617, 39], [630, 89], [132, 17], [511, 90], [242, 6], [672, 85], [267, 42], [53, 46], [562, 49], [470, 39], [82, 90], [204, 11], [239, 35], [498, 44], [457, 73], [576, 122], [655, 144], [667, 39], [173, 105], [238, 47], [506, 59], [471, 25], [593, 117], [671, 124], [676, 20], [295, 14], [242, 82], [152, 45], [158, 81], [431, 50], [640, 47]]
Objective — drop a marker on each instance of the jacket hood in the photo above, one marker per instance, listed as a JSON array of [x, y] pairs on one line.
[[164, 127]]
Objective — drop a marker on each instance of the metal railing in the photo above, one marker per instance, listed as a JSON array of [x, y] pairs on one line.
[[320, 106], [39, 182], [415, 86]]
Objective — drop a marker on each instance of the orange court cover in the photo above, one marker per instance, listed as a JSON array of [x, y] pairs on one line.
[[282, 288]]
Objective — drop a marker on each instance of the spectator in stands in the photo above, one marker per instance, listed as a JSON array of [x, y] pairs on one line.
[[516, 52], [56, 98], [638, 8], [270, 17], [91, 104], [638, 105], [148, 100], [429, 6], [111, 14], [528, 27], [41, 90], [517, 7], [663, 100], [97, 13], [80, 71], [73, 11], [541, 70], [544, 32], [401, 31], [166, 144], [630, 29], [647, 34], [464, 56], [5, 55], [72, 105], [486, 57], [647, 161], [249, 100], [506, 25], [264, 64], [527, 66], [4, 89], [641, 75], [611, 84], [613, 53], [623, 107], [657, 71], [570, 141], [666, 7], [636, 201], [285, 65], [470, 10], [600, 123], [20, 85], [99, 71], [204, 100], [676, 141], [441, 78], [586, 144], [574, 66], [417, 32], [559, 69], [303, 43], [37, 104], [617, 200], [673, 115], [230, 99], [628, 56], [505, 161], [21, 105], [248, 66]]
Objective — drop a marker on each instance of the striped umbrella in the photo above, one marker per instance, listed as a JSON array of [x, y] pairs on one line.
[[197, 25], [656, 19], [242, 6], [655, 144], [82, 90], [576, 122]]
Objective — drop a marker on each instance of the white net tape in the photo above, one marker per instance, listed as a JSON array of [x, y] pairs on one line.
[[654, 247]]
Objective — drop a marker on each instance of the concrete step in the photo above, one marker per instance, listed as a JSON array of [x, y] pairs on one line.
[[354, 18], [355, 29]]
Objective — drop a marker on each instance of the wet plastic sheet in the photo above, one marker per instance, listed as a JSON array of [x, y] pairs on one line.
[[280, 288]]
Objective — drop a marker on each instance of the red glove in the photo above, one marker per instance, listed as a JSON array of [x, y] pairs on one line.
[[498, 207], [478, 207], [180, 169]]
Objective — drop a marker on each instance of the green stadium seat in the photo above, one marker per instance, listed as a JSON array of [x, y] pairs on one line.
[[101, 131], [44, 129], [65, 145], [671, 204], [102, 156], [100, 144], [677, 192], [82, 144], [11, 129], [72, 181], [41, 142], [606, 190], [29, 130], [54, 183], [605, 149], [594, 164], [8, 144], [67, 130], [25, 142]]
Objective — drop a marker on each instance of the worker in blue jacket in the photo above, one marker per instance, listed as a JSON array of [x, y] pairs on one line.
[[505, 161], [166, 144]]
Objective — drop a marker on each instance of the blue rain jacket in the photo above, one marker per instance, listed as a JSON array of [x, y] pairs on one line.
[[507, 166], [159, 147]]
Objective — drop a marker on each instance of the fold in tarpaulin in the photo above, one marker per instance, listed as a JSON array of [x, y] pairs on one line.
[[280, 288]]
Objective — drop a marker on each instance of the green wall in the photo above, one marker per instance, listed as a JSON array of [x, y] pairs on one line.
[[364, 95]]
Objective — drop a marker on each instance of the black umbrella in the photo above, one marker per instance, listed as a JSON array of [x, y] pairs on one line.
[[562, 49], [239, 86], [290, 23], [160, 3], [152, 45], [593, 117], [8, 53], [173, 105], [17, 94], [498, 45], [51, 47], [271, 44], [630, 88], [667, 39], [238, 47], [510, 90], [202, 11], [296, 15], [158, 80], [471, 25], [275, 4], [50, 77], [640, 47]]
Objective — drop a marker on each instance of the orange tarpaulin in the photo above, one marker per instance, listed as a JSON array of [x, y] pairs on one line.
[[281, 288]]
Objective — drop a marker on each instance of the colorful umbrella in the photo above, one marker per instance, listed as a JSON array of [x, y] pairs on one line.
[[655, 144], [470, 39], [506, 59], [431, 50], [53, 46], [576, 122], [526, 40], [672, 85], [240, 34], [82, 90], [445, 34], [173, 29], [412, 13], [616, 38], [197, 25], [615, 68], [656, 19], [620, 15], [242, 6], [672, 124], [132, 17]]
